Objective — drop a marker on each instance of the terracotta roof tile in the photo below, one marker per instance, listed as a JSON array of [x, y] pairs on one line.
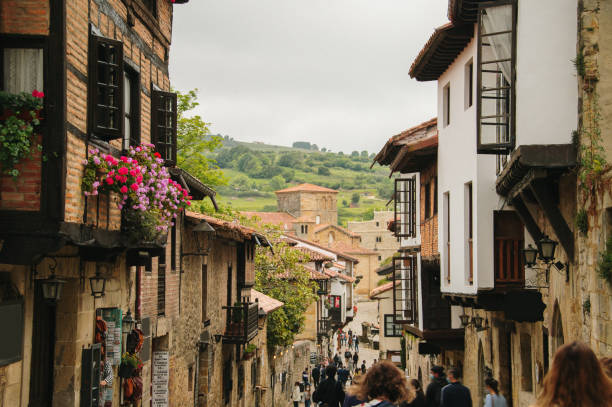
[[268, 304], [381, 289], [306, 188], [217, 223], [333, 273], [313, 254], [275, 218], [344, 255], [323, 226], [316, 275]]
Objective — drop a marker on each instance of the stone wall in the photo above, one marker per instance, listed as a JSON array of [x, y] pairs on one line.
[[310, 204], [368, 263], [370, 230]]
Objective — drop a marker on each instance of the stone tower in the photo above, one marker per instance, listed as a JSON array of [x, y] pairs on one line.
[[308, 201]]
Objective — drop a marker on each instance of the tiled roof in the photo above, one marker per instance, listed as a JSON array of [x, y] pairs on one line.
[[323, 226], [344, 255], [316, 275], [412, 148], [333, 273], [444, 45], [276, 218], [306, 188], [217, 223], [381, 289], [463, 11], [340, 266], [268, 304], [313, 254], [346, 248]]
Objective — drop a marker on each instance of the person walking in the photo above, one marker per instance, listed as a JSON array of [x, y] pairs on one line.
[[348, 356], [356, 342], [355, 361], [363, 367], [343, 376], [350, 341], [307, 395], [305, 375], [337, 359], [316, 375], [329, 392], [322, 371], [339, 340], [417, 395], [296, 396], [455, 394], [383, 386], [434, 389], [576, 379], [494, 399]]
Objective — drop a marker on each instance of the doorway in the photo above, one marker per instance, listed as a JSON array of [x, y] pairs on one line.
[[43, 351]]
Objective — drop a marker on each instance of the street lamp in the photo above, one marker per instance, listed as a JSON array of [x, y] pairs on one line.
[[97, 285], [530, 255], [128, 322], [52, 286], [547, 249], [465, 319]]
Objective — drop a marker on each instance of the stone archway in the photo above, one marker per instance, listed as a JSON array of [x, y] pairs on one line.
[[557, 338]]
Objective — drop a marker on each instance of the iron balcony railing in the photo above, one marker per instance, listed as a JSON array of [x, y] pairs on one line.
[[241, 323]]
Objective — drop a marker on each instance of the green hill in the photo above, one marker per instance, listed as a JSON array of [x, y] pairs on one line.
[[255, 170]]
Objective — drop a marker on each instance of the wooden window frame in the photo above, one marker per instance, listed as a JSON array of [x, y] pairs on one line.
[[158, 100], [446, 105], [105, 133], [405, 207], [469, 84], [405, 290], [427, 212], [135, 113], [394, 327], [498, 147]]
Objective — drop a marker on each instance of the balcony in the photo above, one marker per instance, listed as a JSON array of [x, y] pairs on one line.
[[509, 267], [324, 287], [324, 327], [241, 325]]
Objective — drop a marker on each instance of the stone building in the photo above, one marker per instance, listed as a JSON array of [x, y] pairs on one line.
[[375, 235], [389, 333], [310, 201], [51, 234]]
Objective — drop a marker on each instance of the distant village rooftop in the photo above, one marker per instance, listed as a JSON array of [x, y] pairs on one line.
[[306, 188]]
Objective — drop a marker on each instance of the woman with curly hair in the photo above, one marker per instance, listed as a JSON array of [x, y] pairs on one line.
[[575, 379], [384, 385]]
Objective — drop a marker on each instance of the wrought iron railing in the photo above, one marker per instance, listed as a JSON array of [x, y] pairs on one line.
[[241, 323]]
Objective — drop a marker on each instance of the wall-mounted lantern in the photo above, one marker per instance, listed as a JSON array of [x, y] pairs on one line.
[[52, 286], [530, 255], [547, 249], [127, 323], [97, 285]]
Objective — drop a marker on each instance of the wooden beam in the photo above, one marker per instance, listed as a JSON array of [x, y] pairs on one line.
[[523, 213], [542, 191]]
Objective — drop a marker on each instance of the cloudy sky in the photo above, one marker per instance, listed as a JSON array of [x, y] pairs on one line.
[[332, 72]]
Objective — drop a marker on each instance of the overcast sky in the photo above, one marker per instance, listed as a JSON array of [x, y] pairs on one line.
[[332, 72]]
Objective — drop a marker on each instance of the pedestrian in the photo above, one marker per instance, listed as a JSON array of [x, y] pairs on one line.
[[348, 355], [350, 341], [106, 377], [350, 332], [329, 392], [363, 367], [340, 340], [576, 379], [343, 376], [316, 375], [336, 359], [434, 389], [383, 386], [455, 394], [296, 397], [356, 342], [417, 397], [494, 399], [307, 396], [356, 360], [351, 399]]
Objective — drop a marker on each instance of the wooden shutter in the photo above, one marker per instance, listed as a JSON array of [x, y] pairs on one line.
[[163, 124], [405, 290], [405, 207], [105, 87], [90, 376]]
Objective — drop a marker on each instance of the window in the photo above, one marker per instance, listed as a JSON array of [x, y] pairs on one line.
[[496, 76], [379, 258], [318, 219], [427, 192], [106, 88], [391, 328], [151, 6], [405, 207], [304, 229], [161, 284], [446, 105], [469, 228], [22, 69], [469, 84], [435, 197], [163, 119], [173, 243], [447, 229], [131, 108], [240, 381], [378, 239], [404, 289], [377, 224], [190, 378]]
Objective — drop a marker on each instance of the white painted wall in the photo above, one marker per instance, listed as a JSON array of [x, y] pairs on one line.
[[385, 306], [546, 82], [337, 288]]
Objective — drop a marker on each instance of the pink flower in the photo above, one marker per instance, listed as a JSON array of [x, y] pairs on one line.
[[109, 181], [134, 187], [139, 179], [124, 159], [123, 171], [38, 94], [124, 189], [188, 203]]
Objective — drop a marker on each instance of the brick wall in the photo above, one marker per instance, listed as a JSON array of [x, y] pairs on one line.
[[429, 226], [23, 193], [24, 17]]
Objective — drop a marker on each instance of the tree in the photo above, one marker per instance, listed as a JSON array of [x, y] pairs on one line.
[[323, 171], [281, 276], [194, 143], [323, 149], [277, 182], [364, 154], [355, 197], [302, 144], [355, 154]]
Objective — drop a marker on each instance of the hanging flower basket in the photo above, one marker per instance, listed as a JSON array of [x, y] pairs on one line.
[[19, 119], [148, 198]]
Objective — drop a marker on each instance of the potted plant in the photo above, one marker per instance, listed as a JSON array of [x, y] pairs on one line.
[[249, 351], [130, 365], [19, 119]]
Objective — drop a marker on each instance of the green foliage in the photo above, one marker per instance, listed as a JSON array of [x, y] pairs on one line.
[[382, 281], [281, 276], [277, 182], [403, 351], [604, 268], [305, 145], [250, 348], [323, 171], [345, 203], [579, 64], [17, 129], [586, 306], [195, 143], [582, 221], [355, 198]]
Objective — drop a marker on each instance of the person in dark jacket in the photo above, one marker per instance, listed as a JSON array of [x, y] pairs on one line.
[[330, 391], [417, 392], [363, 367], [356, 361], [316, 375], [434, 390], [455, 394], [343, 376]]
